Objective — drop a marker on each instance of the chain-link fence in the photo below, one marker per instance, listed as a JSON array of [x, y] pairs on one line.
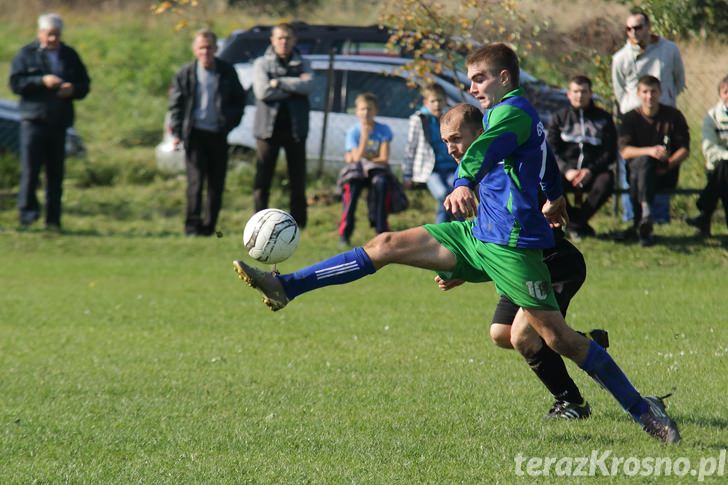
[[705, 66]]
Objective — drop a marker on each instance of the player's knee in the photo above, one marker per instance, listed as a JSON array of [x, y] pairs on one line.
[[501, 336], [526, 344]]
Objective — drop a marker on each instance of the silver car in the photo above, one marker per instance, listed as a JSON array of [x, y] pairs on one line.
[[338, 80]]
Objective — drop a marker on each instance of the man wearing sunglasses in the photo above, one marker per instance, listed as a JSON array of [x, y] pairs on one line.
[[646, 53]]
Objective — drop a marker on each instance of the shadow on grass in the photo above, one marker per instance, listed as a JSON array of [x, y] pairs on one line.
[[684, 244]]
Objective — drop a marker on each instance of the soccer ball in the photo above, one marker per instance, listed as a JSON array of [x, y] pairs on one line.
[[271, 236]]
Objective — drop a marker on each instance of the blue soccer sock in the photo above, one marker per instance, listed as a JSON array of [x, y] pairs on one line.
[[602, 368], [338, 270]]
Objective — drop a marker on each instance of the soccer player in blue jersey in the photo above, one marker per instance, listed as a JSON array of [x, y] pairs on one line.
[[504, 243]]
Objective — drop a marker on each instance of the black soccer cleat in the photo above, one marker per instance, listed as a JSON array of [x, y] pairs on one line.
[[598, 335], [656, 421], [568, 410]]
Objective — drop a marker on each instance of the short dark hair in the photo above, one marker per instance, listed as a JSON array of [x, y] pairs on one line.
[[207, 34], [369, 98], [497, 57], [722, 82], [581, 80], [284, 26], [649, 80], [433, 88], [468, 115], [639, 11]]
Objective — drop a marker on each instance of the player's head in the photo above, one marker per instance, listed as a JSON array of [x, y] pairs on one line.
[[459, 128], [366, 107], [434, 98], [493, 71], [204, 47], [723, 90], [50, 28], [579, 92], [649, 90]]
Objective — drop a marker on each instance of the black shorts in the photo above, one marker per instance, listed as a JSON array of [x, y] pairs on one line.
[[568, 272]]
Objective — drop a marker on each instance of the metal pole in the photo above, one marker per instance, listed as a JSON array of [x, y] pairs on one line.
[[329, 101]]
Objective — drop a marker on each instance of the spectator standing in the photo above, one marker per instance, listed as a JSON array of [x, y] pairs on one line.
[[48, 75], [367, 158], [715, 151], [584, 140], [282, 81], [426, 158], [646, 53], [654, 139], [205, 104]]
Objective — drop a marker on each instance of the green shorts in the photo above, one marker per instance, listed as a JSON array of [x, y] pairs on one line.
[[520, 274]]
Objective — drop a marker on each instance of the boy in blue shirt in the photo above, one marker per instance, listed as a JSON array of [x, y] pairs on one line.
[[367, 153]]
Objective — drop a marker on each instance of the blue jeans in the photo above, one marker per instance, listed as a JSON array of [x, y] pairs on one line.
[[660, 206], [439, 183]]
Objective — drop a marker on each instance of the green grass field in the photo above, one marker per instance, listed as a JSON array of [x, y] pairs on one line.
[[131, 354]]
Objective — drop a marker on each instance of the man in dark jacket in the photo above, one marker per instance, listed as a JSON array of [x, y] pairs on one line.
[[47, 75], [282, 81], [205, 104], [584, 140]]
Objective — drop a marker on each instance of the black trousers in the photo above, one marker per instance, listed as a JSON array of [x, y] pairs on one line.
[[715, 189], [642, 184], [265, 167], [207, 159], [377, 184], [598, 191], [41, 145]]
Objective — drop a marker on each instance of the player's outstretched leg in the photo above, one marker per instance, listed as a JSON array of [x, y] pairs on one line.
[[278, 290], [412, 247]]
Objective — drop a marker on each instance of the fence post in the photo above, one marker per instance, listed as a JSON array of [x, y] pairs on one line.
[[329, 100]]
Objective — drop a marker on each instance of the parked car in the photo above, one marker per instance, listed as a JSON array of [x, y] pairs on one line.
[[246, 45], [10, 132], [360, 63]]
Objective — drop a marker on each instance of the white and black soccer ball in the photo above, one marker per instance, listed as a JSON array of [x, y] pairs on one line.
[[271, 236]]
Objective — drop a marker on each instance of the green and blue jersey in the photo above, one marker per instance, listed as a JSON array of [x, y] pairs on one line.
[[508, 163]]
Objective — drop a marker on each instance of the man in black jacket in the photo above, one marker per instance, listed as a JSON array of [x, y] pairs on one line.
[[47, 75], [205, 104], [584, 140]]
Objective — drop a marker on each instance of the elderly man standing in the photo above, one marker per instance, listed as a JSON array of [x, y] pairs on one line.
[[47, 75], [206, 102], [646, 53], [282, 81]]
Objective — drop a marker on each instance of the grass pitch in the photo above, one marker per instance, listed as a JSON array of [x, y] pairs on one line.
[[136, 355]]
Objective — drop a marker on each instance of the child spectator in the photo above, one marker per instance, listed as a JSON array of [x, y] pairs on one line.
[[715, 151], [367, 158], [426, 158]]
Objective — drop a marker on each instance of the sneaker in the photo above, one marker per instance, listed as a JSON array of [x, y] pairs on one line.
[[657, 423], [568, 410], [645, 233], [266, 283], [599, 336], [701, 223]]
